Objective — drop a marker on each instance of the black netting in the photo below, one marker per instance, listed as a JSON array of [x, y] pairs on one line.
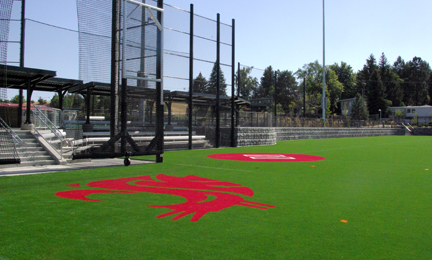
[[5, 15], [140, 32], [94, 26], [140, 62]]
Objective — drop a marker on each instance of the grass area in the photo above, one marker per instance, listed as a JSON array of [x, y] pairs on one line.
[[380, 185]]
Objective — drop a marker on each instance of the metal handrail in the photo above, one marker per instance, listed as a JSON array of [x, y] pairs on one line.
[[15, 155], [55, 131], [15, 137]]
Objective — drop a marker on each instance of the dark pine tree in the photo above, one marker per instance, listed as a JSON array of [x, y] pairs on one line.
[[212, 82], [391, 81], [267, 81], [376, 94], [200, 84]]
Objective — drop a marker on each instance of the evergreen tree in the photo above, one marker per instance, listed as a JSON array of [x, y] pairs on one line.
[[200, 84], [287, 90], [267, 81], [416, 87], [391, 81], [376, 94], [364, 75], [399, 67], [212, 82], [359, 109]]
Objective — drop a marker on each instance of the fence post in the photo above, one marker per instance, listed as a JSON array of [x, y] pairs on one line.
[[232, 83], [191, 56], [218, 82]]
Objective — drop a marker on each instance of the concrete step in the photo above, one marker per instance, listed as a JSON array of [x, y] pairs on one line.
[[34, 148], [31, 153], [36, 163], [36, 158]]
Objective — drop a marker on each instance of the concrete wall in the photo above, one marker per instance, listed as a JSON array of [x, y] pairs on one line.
[[252, 136], [422, 131]]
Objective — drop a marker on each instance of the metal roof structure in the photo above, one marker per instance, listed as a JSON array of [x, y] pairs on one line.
[[18, 77], [40, 80]]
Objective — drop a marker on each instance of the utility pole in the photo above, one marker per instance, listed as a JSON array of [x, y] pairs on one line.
[[304, 97], [275, 95], [323, 103]]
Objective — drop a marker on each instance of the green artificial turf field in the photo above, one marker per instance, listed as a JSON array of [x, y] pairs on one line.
[[369, 199]]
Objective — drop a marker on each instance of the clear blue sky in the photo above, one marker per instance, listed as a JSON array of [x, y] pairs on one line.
[[281, 33]]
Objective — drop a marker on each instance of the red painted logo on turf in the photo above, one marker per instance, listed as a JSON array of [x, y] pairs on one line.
[[266, 157], [194, 189]]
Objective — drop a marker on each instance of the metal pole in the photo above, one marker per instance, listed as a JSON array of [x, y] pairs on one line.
[[232, 85], [238, 93], [304, 97], [275, 95], [22, 47], [191, 80], [142, 83], [159, 87], [29, 94], [22, 40], [218, 82], [123, 116], [115, 56], [238, 79], [323, 103]]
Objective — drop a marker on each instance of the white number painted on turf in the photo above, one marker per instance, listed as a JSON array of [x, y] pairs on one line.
[[269, 157]]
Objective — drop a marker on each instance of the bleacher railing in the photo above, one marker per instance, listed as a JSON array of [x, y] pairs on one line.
[[8, 150], [42, 122]]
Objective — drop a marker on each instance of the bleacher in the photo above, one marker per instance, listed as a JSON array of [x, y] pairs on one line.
[[176, 138]]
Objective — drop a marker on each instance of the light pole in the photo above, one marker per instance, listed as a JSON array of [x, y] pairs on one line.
[[323, 103], [380, 114]]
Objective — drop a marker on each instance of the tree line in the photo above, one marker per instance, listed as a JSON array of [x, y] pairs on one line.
[[379, 83]]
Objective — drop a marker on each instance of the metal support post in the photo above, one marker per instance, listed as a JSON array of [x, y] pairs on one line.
[[123, 116], [218, 82], [323, 103], [275, 94], [191, 80], [22, 48], [87, 100], [159, 89], [115, 57], [29, 94], [304, 97], [233, 84]]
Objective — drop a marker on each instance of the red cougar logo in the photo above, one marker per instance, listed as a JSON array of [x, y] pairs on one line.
[[194, 189]]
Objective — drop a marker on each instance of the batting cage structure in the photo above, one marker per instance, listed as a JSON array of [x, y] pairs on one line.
[[136, 78], [141, 117]]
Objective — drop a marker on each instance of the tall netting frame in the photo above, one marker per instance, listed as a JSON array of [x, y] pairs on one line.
[[141, 42], [136, 78]]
